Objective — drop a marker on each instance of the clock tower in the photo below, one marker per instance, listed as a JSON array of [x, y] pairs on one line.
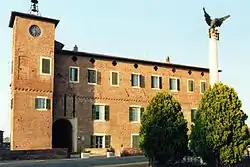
[[32, 80]]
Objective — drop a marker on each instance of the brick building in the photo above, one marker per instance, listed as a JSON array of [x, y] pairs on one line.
[[1, 139], [72, 99]]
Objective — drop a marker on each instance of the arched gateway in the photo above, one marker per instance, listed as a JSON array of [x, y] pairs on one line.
[[62, 134]]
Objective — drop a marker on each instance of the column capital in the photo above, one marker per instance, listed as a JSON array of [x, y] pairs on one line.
[[214, 33]]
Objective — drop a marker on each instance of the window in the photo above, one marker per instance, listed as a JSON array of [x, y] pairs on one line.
[[45, 66], [203, 86], [135, 141], [65, 105], [107, 141], [74, 74], [174, 84], [135, 80], [135, 113], [114, 78], [156, 82], [193, 114], [11, 67], [100, 141], [42, 103], [92, 76], [100, 112], [11, 103], [190, 85]]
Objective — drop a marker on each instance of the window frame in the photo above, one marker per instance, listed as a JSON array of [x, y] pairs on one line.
[[131, 138], [175, 78], [12, 67], [11, 103], [203, 81], [191, 114], [103, 119], [139, 80], [111, 78], [42, 97], [103, 139], [158, 76], [41, 65], [188, 85], [139, 113], [96, 77], [78, 74]]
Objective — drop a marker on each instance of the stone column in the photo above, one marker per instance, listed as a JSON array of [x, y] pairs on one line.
[[74, 133], [213, 56]]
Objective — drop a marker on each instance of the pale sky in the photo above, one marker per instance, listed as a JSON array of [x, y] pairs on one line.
[[144, 29]]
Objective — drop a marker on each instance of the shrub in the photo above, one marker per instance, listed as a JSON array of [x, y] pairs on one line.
[[163, 132]]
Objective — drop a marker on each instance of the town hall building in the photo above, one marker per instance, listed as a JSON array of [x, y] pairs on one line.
[[73, 99]]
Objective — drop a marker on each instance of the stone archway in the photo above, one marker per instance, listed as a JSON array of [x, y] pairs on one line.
[[62, 134]]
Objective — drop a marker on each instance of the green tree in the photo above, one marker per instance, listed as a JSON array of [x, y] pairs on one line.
[[220, 134], [163, 131]]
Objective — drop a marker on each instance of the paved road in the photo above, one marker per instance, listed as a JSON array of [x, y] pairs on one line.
[[93, 162]]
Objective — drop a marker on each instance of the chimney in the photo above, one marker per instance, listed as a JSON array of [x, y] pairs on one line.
[[168, 59], [75, 48]]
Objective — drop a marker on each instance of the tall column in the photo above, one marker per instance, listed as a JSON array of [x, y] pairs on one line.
[[213, 56], [74, 133]]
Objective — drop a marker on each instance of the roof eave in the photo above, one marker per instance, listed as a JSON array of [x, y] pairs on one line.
[[25, 15], [101, 56]]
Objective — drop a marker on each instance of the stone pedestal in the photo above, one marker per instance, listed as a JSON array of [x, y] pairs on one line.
[[213, 56], [85, 155], [110, 154]]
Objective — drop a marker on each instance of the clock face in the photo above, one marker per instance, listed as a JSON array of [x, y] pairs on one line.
[[35, 31]]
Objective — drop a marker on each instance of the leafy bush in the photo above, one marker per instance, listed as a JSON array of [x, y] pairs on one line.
[[111, 150], [163, 132], [131, 152], [220, 134]]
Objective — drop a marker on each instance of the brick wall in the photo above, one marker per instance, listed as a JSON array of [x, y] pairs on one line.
[[30, 129], [118, 98], [33, 154], [1, 140]]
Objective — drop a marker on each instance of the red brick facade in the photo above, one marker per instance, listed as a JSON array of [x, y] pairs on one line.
[[32, 129], [29, 129]]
